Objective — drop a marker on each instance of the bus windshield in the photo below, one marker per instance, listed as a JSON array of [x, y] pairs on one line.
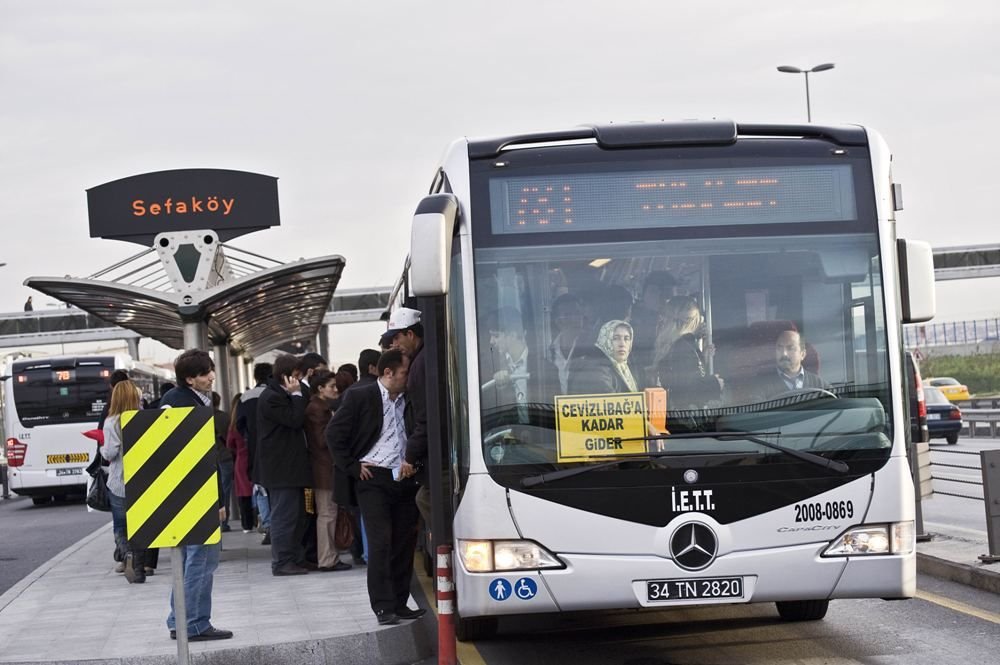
[[600, 344], [50, 394]]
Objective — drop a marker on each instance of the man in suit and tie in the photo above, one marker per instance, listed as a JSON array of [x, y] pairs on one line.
[[367, 438], [789, 375]]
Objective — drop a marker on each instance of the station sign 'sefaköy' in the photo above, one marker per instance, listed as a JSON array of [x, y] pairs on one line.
[[231, 203]]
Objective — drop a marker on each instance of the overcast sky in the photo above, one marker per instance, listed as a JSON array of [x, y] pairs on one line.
[[351, 105]]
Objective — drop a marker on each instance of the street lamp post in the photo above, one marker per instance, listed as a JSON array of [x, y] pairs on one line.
[[788, 69]]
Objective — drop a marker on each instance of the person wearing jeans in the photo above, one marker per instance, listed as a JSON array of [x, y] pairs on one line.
[[283, 456], [195, 375], [199, 564], [263, 506], [124, 397]]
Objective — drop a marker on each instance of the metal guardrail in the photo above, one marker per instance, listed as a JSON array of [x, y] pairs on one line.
[[974, 417], [953, 332], [989, 468]]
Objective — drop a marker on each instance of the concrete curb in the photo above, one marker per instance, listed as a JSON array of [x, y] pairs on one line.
[[398, 645], [12, 593], [987, 580]]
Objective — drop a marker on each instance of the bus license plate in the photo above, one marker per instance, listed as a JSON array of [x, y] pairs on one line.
[[69, 472], [658, 591]]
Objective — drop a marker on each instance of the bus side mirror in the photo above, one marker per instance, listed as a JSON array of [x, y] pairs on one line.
[[916, 280], [430, 244]]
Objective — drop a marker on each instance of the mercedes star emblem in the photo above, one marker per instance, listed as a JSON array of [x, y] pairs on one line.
[[693, 546], [690, 476]]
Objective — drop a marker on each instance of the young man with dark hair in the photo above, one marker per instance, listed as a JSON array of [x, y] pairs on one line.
[[117, 377], [309, 363], [246, 423], [368, 366], [367, 438], [195, 375], [283, 460]]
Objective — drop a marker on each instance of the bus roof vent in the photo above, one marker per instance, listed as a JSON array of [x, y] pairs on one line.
[[652, 134]]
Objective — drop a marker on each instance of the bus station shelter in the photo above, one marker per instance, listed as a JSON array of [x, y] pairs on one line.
[[191, 289]]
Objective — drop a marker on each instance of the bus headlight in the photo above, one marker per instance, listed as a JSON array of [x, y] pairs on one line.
[[487, 556], [896, 538]]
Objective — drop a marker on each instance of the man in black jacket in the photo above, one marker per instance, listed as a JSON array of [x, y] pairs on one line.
[[368, 367], [367, 438], [246, 423], [195, 375], [283, 458]]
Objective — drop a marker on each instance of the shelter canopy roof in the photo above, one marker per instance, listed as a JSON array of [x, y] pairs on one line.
[[254, 313]]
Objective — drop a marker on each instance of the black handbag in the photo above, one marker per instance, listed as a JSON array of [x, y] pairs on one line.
[[97, 495]]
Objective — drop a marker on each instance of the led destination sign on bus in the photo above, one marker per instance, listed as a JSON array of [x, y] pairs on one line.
[[645, 199]]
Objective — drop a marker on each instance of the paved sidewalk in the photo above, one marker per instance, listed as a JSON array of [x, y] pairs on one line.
[[75, 609], [953, 551]]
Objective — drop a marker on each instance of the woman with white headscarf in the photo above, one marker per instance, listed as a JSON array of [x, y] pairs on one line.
[[606, 369]]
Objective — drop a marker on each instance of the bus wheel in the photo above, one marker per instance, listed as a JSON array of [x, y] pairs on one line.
[[40, 500], [802, 610], [476, 628]]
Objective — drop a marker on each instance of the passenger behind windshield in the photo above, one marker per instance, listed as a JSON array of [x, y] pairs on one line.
[[568, 326], [647, 312], [605, 367], [523, 376], [679, 362], [789, 375]]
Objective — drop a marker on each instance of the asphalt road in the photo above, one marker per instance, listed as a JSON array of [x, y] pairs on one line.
[[30, 535], [947, 623]]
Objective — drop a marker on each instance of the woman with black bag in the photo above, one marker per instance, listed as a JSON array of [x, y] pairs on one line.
[[124, 397]]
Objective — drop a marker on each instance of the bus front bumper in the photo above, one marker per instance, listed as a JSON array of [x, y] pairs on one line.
[[596, 582]]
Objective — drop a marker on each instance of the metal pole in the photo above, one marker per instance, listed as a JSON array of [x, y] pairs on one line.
[[223, 385], [133, 347], [990, 464], [180, 609], [194, 335], [809, 116]]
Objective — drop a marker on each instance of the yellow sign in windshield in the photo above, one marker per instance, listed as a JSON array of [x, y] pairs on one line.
[[595, 426]]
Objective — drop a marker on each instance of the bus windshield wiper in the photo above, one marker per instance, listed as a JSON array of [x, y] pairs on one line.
[[755, 437]]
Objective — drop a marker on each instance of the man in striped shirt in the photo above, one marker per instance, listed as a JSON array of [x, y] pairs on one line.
[[367, 438]]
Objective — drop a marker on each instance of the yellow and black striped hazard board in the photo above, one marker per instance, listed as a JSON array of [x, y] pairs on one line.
[[171, 477]]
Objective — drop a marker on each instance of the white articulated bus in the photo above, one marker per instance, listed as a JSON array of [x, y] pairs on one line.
[[590, 478], [48, 404]]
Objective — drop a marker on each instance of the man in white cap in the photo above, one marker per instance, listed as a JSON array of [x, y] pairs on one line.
[[406, 333]]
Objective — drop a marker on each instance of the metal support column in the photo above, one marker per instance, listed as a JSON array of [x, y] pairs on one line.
[[239, 370], [133, 347], [195, 336], [223, 385], [324, 342]]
